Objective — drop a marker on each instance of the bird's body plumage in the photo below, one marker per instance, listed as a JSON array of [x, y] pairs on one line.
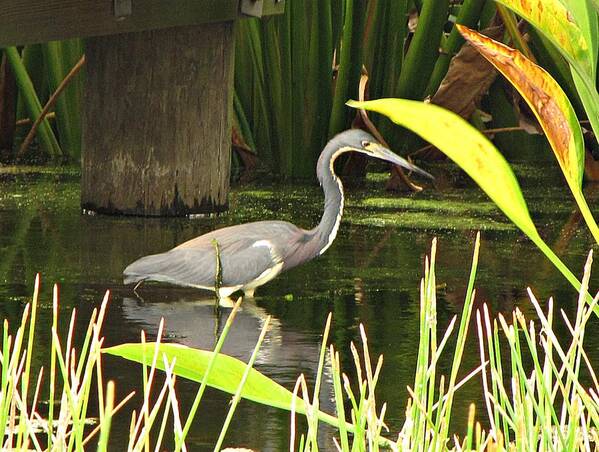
[[252, 254], [249, 253]]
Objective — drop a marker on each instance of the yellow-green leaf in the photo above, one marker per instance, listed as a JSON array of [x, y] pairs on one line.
[[550, 105], [466, 146], [475, 154], [547, 100], [558, 24], [227, 371], [225, 375], [586, 19]]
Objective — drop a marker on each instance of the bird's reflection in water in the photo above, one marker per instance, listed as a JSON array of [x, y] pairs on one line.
[[194, 322]]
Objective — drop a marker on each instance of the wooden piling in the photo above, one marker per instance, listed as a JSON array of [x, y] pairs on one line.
[[8, 95], [157, 121]]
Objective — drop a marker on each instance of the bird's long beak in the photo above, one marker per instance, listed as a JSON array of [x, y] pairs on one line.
[[383, 153]]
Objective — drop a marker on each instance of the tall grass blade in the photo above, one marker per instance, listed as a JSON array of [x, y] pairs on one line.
[[32, 102], [469, 15], [476, 155], [423, 51], [319, 81], [338, 113], [29, 353], [551, 107], [237, 395], [60, 57], [106, 422]]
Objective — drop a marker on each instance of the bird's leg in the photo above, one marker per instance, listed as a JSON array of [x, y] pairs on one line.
[[217, 320], [135, 289], [226, 302], [249, 293]]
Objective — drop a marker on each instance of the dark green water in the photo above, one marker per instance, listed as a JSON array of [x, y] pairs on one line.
[[370, 275]]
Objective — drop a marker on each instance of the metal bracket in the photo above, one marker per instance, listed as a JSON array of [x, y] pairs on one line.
[[122, 9], [261, 8], [252, 8]]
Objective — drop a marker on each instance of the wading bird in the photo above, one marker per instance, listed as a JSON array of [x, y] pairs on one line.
[[254, 253]]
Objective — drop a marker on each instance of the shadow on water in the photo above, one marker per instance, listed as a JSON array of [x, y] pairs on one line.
[[370, 275]]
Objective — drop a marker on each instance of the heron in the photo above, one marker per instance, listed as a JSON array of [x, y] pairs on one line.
[[252, 254]]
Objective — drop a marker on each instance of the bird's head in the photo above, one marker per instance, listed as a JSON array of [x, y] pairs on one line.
[[360, 141]]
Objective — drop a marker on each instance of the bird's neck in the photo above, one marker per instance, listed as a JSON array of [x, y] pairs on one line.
[[326, 231]]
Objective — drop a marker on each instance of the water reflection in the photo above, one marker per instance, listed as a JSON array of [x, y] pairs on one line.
[[198, 322], [370, 275]]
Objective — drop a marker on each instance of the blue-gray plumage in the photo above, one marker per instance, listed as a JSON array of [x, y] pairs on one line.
[[254, 253]]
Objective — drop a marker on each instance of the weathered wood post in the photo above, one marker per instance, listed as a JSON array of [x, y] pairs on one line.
[[157, 122], [7, 110], [158, 96]]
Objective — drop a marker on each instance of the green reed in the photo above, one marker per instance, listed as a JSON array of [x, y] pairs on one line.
[[533, 392]]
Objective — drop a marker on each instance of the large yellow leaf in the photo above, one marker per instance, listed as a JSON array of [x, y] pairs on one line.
[[466, 146], [549, 104], [544, 96], [559, 25], [573, 28]]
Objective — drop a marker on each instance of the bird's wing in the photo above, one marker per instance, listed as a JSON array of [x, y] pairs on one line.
[[246, 253]]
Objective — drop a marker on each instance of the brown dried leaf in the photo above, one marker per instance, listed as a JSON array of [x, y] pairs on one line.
[[246, 154], [468, 78], [544, 96]]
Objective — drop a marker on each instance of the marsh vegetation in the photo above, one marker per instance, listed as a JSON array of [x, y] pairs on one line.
[[476, 357]]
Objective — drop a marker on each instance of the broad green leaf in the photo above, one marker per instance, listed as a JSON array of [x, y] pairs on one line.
[[547, 100], [191, 363], [227, 371], [558, 24], [476, 155], [586, 18], [466, 146], [549, 104], [587, 91]]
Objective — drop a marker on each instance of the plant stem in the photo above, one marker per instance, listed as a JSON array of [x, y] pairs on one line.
[[469, 15], [337, 122], [424, 50], [50, 104], [32, 102]]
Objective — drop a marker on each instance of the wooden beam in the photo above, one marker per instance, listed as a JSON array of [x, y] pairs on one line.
[[260, 8], [33, 21], [8, 97]]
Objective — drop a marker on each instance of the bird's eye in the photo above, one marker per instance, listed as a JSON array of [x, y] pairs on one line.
[[365, 144]]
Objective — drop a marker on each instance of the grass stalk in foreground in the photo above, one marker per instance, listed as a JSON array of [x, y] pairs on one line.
[[237, 396], [32, 102], [534, 395], [68, 425]]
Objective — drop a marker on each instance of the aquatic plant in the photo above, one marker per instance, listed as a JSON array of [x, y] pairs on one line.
[[535, 396], [545, 407], [294, 73], [49, 85], [31, 101], [477, 156]]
